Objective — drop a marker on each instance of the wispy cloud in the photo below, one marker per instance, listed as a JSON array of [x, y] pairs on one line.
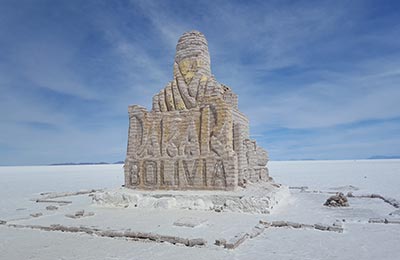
[[340, 98]]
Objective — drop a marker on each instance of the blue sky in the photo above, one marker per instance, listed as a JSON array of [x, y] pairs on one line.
[[318, 79]]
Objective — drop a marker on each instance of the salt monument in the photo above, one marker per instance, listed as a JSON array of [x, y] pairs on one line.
[[194, 137]]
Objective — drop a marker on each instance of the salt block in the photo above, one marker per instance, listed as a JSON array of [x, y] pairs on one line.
[[236, 240], [189, 222]]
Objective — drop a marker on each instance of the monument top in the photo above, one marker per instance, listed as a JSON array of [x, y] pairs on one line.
[[192, 54]]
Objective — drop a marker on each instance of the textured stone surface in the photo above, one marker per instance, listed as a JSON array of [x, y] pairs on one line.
[[236, 240], [117, 234], [51, 207], [194, 137], [80, 214], [338, 200], [259, 198]]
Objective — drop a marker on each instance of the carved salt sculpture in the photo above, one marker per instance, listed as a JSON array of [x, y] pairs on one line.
[[194, 137]]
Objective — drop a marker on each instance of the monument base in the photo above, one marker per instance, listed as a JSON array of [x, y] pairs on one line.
[[258, 198]]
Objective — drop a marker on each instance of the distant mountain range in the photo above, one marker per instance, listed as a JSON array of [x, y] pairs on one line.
[[86, 163], [384, 157], [375, 157]]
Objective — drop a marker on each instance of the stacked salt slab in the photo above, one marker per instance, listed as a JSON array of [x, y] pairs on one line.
[[195, 137]]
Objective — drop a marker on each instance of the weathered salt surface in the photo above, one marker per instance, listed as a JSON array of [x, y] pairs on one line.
[[369, 176], [189, 222], [360, 239], [255, 198], [20, 184]]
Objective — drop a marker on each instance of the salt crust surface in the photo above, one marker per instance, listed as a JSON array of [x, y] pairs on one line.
[[360, 239]]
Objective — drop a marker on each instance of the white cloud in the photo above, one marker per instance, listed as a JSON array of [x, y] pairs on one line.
[[370, 93]]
